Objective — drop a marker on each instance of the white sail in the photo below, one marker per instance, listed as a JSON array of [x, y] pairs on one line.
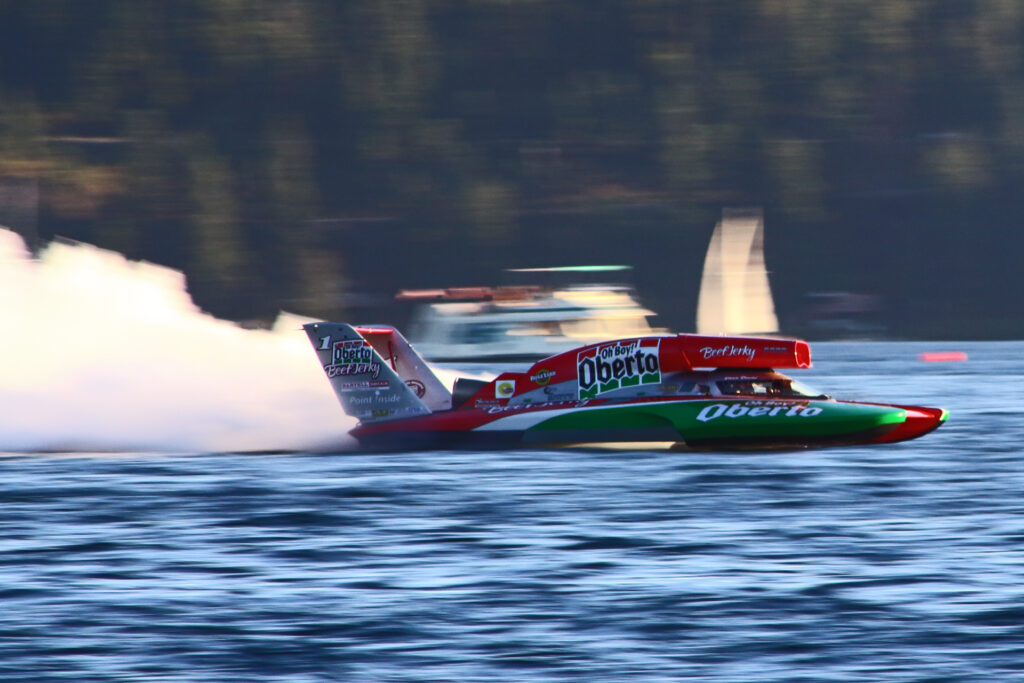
[[735, 297]]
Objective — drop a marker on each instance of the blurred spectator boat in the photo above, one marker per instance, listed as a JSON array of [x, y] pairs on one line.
[[524, 323]]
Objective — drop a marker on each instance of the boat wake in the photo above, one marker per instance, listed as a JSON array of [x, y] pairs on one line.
[[105, 354]]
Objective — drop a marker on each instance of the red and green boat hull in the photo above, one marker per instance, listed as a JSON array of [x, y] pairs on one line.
[[711, 422]]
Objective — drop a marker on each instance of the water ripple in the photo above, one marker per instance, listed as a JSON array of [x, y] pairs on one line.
[[898, 563]]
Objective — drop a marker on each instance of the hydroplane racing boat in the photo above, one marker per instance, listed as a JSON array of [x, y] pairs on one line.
[[696, 391]]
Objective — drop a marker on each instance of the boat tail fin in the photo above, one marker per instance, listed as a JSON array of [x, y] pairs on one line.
[[414, 371], [368, 386]]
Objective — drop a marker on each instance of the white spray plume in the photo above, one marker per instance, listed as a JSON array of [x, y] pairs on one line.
[[103, 353]]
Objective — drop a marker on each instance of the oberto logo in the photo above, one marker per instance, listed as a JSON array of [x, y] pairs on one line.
[[717, 410], [614, 366]]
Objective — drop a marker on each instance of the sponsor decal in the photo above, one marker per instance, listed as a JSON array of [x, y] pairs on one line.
[[542, 377], [373, 384], [348, 369], [728, 351], [617, 365], [497, 410], [381, 413], [374, 399], [734, 410], [559, 396], [505, 388], [353, 357], [417, 387]]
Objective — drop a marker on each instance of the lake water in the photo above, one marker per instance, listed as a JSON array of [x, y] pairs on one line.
[[886, 563]]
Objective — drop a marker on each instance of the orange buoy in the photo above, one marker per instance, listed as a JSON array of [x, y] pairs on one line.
[[943, 356]]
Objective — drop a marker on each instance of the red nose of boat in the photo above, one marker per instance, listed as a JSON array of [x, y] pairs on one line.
[[919, 422]]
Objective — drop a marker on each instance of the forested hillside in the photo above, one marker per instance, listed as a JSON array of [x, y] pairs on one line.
[[297, 153]]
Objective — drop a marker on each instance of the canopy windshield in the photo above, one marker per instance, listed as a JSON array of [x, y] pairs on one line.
[[782, 387]]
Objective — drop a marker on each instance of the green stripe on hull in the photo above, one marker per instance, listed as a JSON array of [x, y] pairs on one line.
[[732, 420]]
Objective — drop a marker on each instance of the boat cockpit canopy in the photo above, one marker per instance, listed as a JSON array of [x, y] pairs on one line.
[[764, 387]]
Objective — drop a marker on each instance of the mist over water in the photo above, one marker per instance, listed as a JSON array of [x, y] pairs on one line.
[[104, 353]]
